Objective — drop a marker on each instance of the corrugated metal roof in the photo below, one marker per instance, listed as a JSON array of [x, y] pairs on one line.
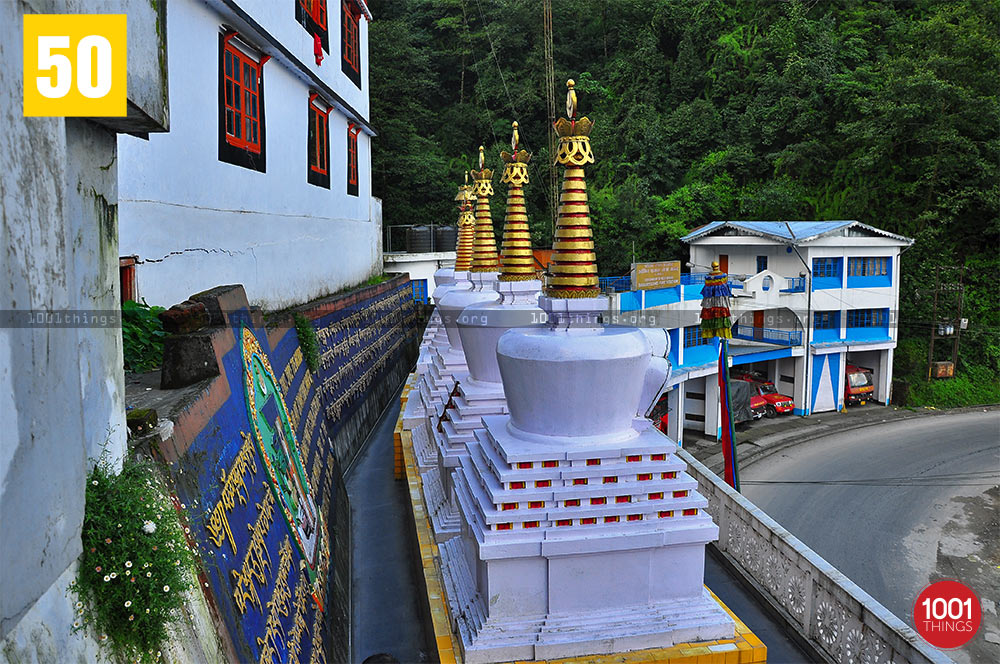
[[802, 231]]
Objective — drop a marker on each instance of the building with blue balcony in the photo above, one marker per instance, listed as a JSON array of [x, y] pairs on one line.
[[809, 299]]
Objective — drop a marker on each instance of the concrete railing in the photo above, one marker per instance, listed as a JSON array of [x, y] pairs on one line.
[[839, 619]]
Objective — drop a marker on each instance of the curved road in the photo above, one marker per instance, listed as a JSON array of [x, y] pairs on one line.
[[897, 506]]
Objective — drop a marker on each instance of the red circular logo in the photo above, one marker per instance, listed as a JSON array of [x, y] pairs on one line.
[[947, 614]]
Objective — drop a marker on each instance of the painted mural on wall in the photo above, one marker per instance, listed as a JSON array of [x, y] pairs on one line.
[[260, 481]]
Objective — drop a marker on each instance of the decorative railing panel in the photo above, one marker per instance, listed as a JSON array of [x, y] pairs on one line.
[[838, 618], [768, 335]]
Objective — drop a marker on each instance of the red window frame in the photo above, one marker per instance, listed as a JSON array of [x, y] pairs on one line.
[[242, 82], [351, 49], [316, 9], [321, 146], [352, 154]]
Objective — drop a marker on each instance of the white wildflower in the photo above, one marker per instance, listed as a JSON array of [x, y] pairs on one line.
[[149, 527]]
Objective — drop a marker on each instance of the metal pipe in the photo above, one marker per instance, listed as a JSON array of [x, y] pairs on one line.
[[807, 324]]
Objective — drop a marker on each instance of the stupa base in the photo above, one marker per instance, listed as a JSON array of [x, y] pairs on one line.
[[450, 609], [547, 636], [446, 521]]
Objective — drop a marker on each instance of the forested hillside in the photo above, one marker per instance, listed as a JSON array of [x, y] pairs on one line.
[[887, 113]]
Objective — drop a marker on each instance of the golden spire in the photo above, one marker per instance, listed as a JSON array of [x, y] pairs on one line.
[[466, 227], [516, 260], [573, 269], [484, 252]]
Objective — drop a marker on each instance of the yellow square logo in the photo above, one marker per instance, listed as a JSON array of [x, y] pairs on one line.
[[74, 65]]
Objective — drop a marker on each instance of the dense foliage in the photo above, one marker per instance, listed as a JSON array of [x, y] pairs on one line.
[[135, 565], [142, 336], [887, 113]]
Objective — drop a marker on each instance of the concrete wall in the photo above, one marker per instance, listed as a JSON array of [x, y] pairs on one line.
[[61, 385], [192, 219]]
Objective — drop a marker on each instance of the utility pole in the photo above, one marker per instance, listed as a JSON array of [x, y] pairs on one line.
[[550, 92], [949, 297]]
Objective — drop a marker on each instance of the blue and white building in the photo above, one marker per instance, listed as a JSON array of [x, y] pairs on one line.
[[265, 176], [809, 298]]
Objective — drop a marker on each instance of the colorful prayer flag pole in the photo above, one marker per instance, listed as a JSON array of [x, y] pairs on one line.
[[716, 321]]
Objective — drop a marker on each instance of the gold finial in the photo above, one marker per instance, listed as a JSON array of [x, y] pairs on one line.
[[484, 257], [573, 267], [715, 266], [571, 99], [466, 227], [516, 260]]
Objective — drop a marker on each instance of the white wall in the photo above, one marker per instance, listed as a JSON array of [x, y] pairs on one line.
[[61, 385], [196, 222]]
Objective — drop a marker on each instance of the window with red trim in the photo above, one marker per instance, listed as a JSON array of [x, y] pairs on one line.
[[509, 506], [610, 519], [680, 494], [352, 159], [503, 526], [530, 524], [541, 484], [690, 512], [611, 480], [319, 144], [579, 481], [623, 499], [242, 99], [598, 501], [575, 502], [657, 457], [313, 17], [633, 458], [536, 504], [635, 517], [517, 485], [550, 464], [665, 514], [588, 521], [564, 522], [350, 37], [656, 496], [668, 476], [524, 464], [643, 477]]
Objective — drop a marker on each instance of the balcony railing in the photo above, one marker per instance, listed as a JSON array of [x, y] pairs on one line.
[[795, 285], [693, 278], [768, 335], [615, 284]]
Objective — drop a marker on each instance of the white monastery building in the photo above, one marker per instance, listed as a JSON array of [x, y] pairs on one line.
[[809, 299], [265, 176]]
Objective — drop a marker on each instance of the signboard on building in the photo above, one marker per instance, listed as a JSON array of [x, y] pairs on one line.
[[650, 276]]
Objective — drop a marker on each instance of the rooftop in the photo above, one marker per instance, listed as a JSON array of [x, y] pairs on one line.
[[791, 232]]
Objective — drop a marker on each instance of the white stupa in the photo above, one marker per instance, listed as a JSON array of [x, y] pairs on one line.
[[580, 531], [478, 392]]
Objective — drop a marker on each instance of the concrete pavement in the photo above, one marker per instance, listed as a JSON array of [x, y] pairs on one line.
[[767, 436], [897, 506]]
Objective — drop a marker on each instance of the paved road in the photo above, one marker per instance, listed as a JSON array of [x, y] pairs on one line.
[[930, 510]]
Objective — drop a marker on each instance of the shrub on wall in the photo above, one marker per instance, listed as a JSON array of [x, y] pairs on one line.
[[308, 342], [142, 336], [136, 563]]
